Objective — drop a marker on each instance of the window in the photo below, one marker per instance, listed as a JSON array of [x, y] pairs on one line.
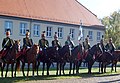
[[49, 31], [36, 30], [60, 32], [72, 32], [98, 36], [23, 27], [90, 33], [8, 25]]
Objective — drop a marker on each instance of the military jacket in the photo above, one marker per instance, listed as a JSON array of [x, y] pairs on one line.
[[43, 43], [7, 42], [56, 43], [70, 43], [110, 47], [27, 42], [86, 45]]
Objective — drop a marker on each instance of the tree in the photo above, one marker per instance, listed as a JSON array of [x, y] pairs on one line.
[[112, 25]]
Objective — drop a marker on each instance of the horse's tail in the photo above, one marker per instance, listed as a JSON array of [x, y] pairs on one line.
[[18, 65]]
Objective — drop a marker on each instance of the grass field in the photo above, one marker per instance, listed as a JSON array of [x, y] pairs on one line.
[[83, 74]]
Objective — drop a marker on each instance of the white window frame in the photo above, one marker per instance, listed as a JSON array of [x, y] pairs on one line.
[[9, 25], [72, 33], [49, 31], [23, 28], [36, 30], [90, 33], [98, 36], [60, 32]]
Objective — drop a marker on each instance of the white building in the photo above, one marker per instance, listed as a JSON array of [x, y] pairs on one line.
[[61, 16]]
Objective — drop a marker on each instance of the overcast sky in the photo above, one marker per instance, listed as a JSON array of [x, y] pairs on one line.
[[101, 7]]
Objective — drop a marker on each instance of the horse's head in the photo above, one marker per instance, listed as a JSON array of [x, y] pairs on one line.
[[35, 49], [77, 49], [16, 45], [64, 51], [52, 52], [96, 51]]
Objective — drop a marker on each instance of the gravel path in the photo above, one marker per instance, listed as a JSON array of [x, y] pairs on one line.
[[104, 79]]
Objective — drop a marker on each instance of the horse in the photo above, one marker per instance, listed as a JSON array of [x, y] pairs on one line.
[[28, 56], [49, 57], [10, 57], [76, 58], [91, 56], [107, 58], [64, 53], [116, 58]]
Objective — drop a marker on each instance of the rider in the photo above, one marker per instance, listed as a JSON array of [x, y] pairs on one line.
[[102, 46], [43, 43], [110, 46], [70, 43], [7, 43], [27, 41], [55, 42]]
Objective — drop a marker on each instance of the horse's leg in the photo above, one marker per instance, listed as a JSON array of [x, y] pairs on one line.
[[99, 66], [57, 68], [38, 67], [115, 66], [7, 69], [28, 69], [17, 67], [43, 68], [90, 63], [2, 69], [23, 64], [60, 68], [70, 67], [105, 68], [63, 68], [112, 67], [33, 68], [48, 67], [77, 66], [12, 66], [74, 64], [102, 67]]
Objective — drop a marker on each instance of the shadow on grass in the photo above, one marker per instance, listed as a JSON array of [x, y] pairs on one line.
[[52, 77]]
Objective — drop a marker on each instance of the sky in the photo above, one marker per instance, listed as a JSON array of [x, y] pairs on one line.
[[101, 8]]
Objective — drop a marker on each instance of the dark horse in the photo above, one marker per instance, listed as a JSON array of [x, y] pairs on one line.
[[116, 58], [49, 56], [92, 55], [28, 56], [107, 58], [10, 57], [76, 58]]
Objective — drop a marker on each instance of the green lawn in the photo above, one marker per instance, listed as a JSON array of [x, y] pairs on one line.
[[83, 74]]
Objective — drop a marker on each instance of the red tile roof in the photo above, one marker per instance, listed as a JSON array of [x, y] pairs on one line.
[[64, 11]]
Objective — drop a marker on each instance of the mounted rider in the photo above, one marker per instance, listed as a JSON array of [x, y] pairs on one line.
[[70, 43], [43, 43], [101, 45], [27, 41], [7, 43], [86, 44], [55, 42], [110, 46]]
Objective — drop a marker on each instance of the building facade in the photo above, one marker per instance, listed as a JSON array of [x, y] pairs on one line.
[[19, 24]]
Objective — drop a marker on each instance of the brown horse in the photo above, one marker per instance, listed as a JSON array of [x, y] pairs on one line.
[[29, 56], [10, 57]]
